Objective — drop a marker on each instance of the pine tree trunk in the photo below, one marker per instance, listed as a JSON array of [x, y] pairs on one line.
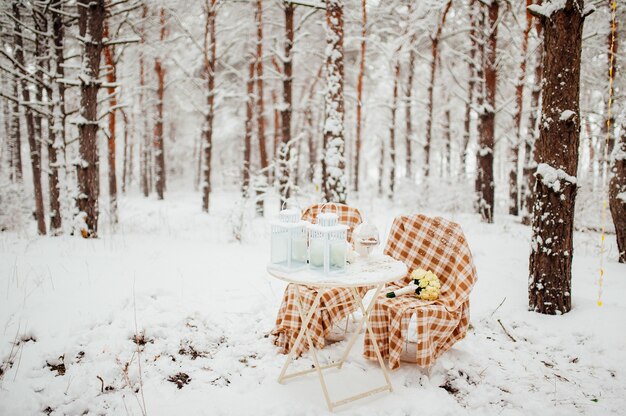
[[284, 149], [484, 174], [127, 159], [260, 110], [514, 203], [392, 131], [617, 183], [109, 61], [467, 122], [210, 46], [549, 287], [35, 153], [334, 181], [617, 194], [59, 112], [247, 140], [53, 164], [448, 146], [145, 142], [16, 138], [359, 96], [159, 139], [408, 108], [91, 18], [431, 87], [532, 133]]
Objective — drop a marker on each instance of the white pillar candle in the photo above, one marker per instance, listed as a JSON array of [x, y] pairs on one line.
[[298, 250], [338, 254], [317, 253]]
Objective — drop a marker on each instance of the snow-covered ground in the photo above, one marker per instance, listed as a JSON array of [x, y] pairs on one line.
[[199, 303]]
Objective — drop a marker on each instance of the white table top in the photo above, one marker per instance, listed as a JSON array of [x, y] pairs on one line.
[[369, 271]]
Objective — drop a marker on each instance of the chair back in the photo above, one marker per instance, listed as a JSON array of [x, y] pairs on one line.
[[438, 245], [347, 215]]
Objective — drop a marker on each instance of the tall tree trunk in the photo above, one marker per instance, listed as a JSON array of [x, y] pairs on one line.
[[484, 174], [431, 87], [91, 18], [260, 108], [467, 123], [247, 140], [145, 142], [334, 181], [514, 203], [210, 46], [359, 96], [617, 194], [284, 149], [159, 139], [35, 153], [127, 158], [392, 130], [54, 190], [16, 138], [617, 183], [408, 107], [532, 133], [549, 287], [109, 61]]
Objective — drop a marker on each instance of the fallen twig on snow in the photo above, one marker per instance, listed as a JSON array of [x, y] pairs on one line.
[[506, 332]]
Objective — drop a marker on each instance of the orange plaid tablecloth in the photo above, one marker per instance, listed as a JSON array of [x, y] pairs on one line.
[[335, 303], [438, 245]]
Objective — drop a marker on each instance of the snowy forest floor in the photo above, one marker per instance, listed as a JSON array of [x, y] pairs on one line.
[[203, 306]]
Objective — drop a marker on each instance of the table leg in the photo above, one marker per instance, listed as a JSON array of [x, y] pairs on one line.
[[305, 323], [368, 327], [356, 333]]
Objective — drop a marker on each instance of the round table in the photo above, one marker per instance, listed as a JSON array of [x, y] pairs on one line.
[[376, 271]]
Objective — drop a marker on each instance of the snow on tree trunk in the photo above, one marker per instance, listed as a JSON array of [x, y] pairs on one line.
[[247, 140], [210, 50], [484, 156], [109, 61], [549, 286], [59, 115], [532, 132], [617, 183], [35, 148], [261, 181], [431, 87], [617, 193], [514, 203], [471, 67], [359, 96], [392, 129], [145, 142], [16, 137], [91, 18], [334, 178], [159, 139], [408, 107], [284, 149]]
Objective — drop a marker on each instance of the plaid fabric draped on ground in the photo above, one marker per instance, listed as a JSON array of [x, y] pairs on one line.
[[438, 245], [335, 304]]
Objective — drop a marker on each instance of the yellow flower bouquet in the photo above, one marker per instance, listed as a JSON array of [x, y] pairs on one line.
[[426, 286]]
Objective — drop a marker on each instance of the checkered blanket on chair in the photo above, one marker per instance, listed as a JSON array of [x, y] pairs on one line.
[[438, 245], [335, 303]]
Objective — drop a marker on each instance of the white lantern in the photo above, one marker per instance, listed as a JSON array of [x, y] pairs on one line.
[[288, 240], [328, 244]]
